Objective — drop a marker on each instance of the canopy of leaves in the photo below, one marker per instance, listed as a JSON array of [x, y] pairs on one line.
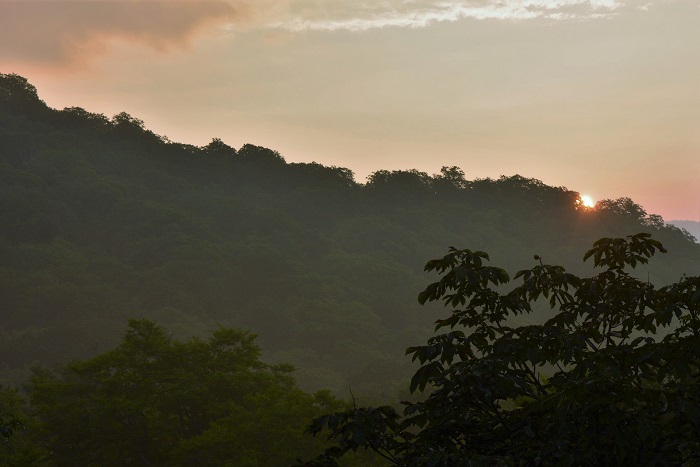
[[102, 220], [611, 378], [158, 401]]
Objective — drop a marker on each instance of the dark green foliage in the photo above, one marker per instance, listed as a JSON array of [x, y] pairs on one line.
[[218, 148], [18, 96], [158, 401], [612, 378], [8, 424], [21, 446]]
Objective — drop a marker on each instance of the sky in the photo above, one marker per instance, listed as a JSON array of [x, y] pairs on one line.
[[599, 96]]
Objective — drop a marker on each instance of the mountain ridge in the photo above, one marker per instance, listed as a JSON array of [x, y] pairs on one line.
[[103, 220]]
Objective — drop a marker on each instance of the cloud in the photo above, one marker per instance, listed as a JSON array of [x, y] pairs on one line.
[[68, 33], [358, 16]]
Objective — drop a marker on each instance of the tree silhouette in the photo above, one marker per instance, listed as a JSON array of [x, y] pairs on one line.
[[612, 378]]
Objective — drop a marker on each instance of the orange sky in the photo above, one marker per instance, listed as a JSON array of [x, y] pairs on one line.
[[600, 96]]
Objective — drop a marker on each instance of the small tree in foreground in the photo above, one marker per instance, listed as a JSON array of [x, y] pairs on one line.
[[597, 384]]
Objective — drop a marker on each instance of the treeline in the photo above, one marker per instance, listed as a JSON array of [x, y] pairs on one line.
[[103, 221]]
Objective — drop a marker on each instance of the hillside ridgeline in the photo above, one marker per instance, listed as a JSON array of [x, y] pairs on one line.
[[102, 221]]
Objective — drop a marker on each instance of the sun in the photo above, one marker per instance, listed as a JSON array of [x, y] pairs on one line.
[[587, 201]]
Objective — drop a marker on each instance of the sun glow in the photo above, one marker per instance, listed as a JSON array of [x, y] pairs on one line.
[[587, 201]]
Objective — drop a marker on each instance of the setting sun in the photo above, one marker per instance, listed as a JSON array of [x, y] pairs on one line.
[[587, 201]]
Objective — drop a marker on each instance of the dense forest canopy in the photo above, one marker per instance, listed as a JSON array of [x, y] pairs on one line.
[[154, 400], [103, 220]]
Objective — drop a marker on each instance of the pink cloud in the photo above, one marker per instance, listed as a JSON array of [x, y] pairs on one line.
[[69, 33]]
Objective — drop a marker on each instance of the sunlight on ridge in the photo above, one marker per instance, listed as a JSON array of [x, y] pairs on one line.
[[587, 201]]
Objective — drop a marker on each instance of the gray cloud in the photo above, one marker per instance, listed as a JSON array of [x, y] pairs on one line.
[[357, 16]]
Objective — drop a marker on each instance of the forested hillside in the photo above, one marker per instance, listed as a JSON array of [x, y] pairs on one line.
[[101, 220], [693, 227]]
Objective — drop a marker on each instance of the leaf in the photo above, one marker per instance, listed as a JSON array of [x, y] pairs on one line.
[[424, 375]]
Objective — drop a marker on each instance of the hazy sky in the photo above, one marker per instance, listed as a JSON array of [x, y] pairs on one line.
[[600, 96]]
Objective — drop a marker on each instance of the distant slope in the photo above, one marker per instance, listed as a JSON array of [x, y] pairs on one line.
[[693, 227], [102, 220]]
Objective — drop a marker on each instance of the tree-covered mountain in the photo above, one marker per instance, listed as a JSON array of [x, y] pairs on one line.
[[101, 220], [693, 227]]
